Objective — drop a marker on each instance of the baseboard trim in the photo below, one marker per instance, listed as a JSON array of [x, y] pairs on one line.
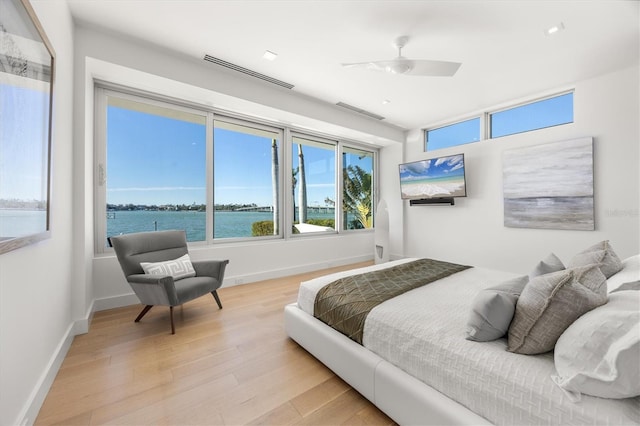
[[115, 302], [131, 299], [81, 326], [293, 270], [36, 399]]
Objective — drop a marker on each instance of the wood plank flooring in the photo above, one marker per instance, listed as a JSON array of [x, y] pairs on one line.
[[222, 367]]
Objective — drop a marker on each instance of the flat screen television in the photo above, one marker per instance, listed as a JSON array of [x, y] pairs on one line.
[[433, 179]]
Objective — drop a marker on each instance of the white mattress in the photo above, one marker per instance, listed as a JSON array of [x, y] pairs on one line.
[[422, 333]]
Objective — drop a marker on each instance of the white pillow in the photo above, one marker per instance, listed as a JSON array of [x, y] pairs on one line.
[[178, 268], [598, 354], [630, 272]]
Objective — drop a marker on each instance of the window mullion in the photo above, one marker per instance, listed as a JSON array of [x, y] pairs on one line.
[[287, 180], [100, 197], [209, 180], [338, 213]]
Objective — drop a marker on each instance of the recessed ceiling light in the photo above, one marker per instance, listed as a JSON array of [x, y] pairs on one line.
[[269, 55], [554, 29], [386, 101]]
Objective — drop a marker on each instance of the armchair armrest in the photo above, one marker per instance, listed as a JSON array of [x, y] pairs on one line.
[[210, 268], [154, 289], [149, 279]]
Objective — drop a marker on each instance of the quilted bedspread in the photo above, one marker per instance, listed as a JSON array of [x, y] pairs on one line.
[[423, 333], [345, 303]]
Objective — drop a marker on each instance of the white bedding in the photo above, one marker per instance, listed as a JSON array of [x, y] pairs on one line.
[[422, 333]]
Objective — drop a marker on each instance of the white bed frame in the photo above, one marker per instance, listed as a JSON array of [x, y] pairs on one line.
[[405, 399]]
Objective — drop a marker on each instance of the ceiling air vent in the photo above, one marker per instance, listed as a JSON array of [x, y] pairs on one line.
[[247, 71], [360, 111]]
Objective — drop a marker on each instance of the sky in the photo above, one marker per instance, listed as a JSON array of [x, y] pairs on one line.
[[153, 159], [23, 148], [537, 115], [434, 168]]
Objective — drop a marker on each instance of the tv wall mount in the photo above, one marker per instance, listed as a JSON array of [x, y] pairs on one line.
[[432, 201]]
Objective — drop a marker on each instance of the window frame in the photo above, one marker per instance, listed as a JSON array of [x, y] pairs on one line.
[[481, 134], [374, 185], [211, 203], [102, 90], [489, 114], [101, 96], [291, 202], [485, 120]]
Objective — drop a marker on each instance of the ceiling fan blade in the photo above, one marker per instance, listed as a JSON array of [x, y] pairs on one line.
[[420, 67], [425, 67], [395, 66], [372, 65]]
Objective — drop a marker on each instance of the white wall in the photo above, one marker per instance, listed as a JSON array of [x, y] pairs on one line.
[[36, 325], [391, 156], [472, 231]]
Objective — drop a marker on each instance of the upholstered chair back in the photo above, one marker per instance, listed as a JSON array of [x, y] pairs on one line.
[[157, 246]]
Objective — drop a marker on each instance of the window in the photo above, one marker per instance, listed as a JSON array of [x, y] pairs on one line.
[[532, 116], [162, 165], [155, 168], [314, 184], [357, 188], [454, 134], [551, 111], [246, 180]]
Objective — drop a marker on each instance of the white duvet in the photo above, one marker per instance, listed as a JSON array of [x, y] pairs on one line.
[[422, 333]]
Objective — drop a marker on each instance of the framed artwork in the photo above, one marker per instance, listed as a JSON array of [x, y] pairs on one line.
[[26, 88], [549, 186]]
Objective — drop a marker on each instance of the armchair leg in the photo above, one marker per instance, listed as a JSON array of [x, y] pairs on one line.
[[173, 327], [215, 296], [143, 312]]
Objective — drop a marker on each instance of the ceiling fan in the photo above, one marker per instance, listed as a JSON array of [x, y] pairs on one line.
[[406, 66]]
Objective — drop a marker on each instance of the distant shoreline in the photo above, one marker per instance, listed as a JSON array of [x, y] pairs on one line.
[[176, 207], [24, 209]]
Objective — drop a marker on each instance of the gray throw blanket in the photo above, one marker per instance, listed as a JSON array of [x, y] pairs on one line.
[[345, 303]]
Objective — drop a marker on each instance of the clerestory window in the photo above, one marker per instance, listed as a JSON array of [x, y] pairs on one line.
[[536, 115], [539, 114]]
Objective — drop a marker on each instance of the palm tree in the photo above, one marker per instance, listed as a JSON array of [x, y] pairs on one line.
[[294, 182], [302, 190], [357, 195]]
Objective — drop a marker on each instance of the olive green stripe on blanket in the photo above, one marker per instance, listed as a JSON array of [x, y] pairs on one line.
[[345, 303]]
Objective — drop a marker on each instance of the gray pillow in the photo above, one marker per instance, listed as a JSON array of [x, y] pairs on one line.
[[551, 303], [601, 253], [492, 310], [549, 264]]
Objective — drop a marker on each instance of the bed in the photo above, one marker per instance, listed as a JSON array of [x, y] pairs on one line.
[[416, 365]]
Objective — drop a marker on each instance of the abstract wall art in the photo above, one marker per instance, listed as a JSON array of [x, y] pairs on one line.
[[549, 186]]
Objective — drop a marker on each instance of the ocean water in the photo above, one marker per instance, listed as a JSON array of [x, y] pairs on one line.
[[227, 224], [18, 223]]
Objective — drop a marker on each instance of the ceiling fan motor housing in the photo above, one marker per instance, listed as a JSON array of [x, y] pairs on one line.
[[400, 66]]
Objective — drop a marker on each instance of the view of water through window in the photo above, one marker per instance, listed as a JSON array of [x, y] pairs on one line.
[[156, 176]]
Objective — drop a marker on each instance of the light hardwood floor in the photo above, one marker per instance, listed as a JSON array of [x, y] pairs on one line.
[[230, 366]]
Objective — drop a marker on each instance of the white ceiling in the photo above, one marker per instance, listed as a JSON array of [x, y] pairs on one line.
[[504, 51]]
